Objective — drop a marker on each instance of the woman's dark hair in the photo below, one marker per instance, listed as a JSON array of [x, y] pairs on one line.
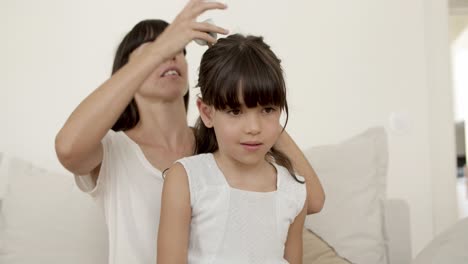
[[240, 67], [144, 31]]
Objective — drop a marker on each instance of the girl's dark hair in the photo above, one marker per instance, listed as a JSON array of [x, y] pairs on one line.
[[240, 66], [144, 31]]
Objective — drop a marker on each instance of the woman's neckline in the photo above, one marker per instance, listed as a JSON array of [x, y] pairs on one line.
[[141, 155]]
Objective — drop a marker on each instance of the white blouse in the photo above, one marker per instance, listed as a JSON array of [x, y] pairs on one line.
[[236, 226]]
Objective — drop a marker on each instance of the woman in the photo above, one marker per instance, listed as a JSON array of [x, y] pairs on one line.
[[143, 101]]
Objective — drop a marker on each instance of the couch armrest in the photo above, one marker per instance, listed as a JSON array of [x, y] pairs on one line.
[[397, 227]]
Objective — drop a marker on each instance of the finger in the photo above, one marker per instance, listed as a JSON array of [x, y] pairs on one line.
[[208, 27], [203, 6], [192, 3], [210, 45], [204, 36], [187, 8]]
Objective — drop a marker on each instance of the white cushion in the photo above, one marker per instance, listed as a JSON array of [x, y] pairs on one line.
[[47, 219], [353, 174]]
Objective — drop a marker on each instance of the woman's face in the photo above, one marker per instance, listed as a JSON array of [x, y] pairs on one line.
[[169, 81]]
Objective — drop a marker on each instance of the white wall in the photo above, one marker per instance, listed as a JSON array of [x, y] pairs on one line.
[[441, 117], [349, 65], [459, 47]]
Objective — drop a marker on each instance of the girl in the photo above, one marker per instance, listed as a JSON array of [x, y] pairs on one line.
[[239, 201]]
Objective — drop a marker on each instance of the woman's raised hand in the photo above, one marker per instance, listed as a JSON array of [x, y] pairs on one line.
[[186, 28]]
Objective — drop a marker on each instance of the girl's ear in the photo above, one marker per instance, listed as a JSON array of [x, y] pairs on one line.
[[206, 113]]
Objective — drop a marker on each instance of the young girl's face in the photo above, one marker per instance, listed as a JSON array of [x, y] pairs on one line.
[[246, 134]]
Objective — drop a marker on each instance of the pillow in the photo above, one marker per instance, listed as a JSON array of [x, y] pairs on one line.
[[317, 251], [47, 219], [353, 175]]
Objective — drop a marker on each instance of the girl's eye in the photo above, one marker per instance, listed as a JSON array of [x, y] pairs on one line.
[[234, 112], [269, 110]]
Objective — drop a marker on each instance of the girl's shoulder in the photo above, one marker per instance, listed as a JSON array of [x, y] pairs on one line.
[[202, 170], [203, 176], [199, 162]]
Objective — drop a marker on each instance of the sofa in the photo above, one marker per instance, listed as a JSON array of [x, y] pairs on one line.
[[44, 218]]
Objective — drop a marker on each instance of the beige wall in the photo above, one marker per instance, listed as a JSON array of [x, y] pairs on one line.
[[349, 65]]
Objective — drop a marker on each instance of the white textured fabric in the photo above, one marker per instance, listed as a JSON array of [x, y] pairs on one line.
[[236, 226], [129, 191]]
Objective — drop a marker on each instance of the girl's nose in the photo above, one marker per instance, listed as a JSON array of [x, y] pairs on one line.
[[252, 124]]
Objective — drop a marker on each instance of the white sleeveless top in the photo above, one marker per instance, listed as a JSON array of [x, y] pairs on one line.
[[230, 225]]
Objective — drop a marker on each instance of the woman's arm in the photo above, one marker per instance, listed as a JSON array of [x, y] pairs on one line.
[[315, 193], [174, 225], [293, 247], [78, 143]]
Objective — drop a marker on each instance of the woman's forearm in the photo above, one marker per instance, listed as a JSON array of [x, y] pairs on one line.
[[315, 193]]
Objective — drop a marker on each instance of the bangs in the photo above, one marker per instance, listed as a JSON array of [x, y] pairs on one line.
[[251, 77]]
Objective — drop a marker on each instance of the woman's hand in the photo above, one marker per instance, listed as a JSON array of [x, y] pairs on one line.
[[185, 28]]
